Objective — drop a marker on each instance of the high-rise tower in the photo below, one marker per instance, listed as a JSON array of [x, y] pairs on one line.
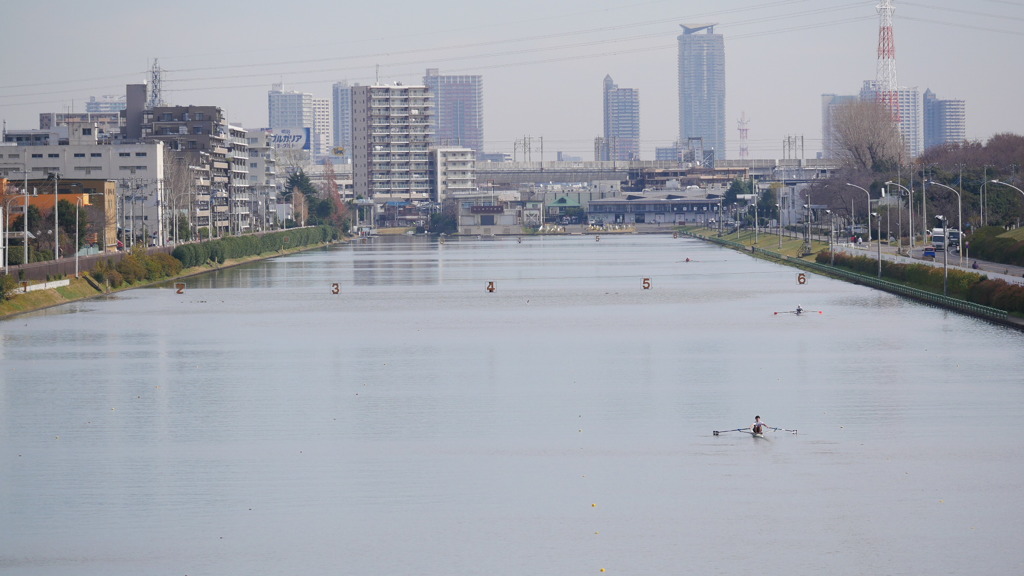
[[621, 122], [459, 109], [944, 121], [341, 98], [702, 87]]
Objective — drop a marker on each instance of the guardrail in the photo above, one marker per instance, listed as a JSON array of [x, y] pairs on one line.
[[915, 293], [891, 287]]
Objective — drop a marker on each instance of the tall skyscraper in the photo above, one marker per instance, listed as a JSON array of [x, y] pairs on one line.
[[459, 109], [621, 123], [323, 127], [944, 121], [908, 102], [702, 87], [291, 110], [391, 141], [342, 108]]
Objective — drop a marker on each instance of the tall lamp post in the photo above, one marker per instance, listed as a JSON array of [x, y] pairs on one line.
[[831, 233], [878, 244], [1005, 184], [959, 219], [945, 244], [779, 214], [56, 229], [864, 190], [910, 204], [5, 217]]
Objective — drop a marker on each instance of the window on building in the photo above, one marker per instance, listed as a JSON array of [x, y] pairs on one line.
[[79, 154], [14, 156], [96, 155], [37, 155], [86, 131], [53, 155], [124, 154], [140, 153]]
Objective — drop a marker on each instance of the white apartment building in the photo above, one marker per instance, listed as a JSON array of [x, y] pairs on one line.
[[262, 180], [909, 119], [391, 140], [323, 127], [138, 170], [291, 110], [238, 197], [453, 171]]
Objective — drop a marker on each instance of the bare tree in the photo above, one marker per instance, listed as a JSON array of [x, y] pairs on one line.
[[866, 136], [177, 190]]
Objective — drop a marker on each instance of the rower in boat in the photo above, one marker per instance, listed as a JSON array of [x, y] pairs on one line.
[[757, 428]]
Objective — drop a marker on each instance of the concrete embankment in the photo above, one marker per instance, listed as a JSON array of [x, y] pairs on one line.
[[41, 296]]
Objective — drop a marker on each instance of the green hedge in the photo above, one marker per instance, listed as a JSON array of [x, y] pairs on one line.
[[231, 247], [961, 284], [988, 244]]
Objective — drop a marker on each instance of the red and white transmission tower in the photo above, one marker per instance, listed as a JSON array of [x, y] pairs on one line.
[[744, 128], [885, 74]]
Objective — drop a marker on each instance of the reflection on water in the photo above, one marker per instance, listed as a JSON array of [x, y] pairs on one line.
[[415, 422]]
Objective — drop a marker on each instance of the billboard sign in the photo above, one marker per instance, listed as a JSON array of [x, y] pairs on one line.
[[290, 138]]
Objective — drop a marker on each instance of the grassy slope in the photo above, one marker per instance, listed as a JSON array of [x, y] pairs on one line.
[[80, 288]]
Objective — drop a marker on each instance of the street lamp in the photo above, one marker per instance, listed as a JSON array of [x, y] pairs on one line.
[[78, 208], [878, 244], [864, 190], [5, 217], [910, 205], [56, 228], [945, 244], [1005, 184], [959, 219], [831, 233], [778, 210]]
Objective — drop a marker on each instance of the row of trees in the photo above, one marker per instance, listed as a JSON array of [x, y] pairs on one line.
[[316, 206], [867, 141]]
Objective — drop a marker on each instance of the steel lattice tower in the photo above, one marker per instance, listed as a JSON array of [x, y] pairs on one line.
[[744, 128], [885, 74], [155, 91]]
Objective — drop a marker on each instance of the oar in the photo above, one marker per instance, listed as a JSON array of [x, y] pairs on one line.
[[783, 429], [717, 432]]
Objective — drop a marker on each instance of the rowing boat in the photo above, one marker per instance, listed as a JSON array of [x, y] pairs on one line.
[[751, 432]]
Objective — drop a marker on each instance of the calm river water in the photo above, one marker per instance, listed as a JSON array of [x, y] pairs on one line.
[[416, 423]]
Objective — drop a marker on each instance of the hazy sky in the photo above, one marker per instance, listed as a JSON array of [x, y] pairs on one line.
[[542, 62]]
